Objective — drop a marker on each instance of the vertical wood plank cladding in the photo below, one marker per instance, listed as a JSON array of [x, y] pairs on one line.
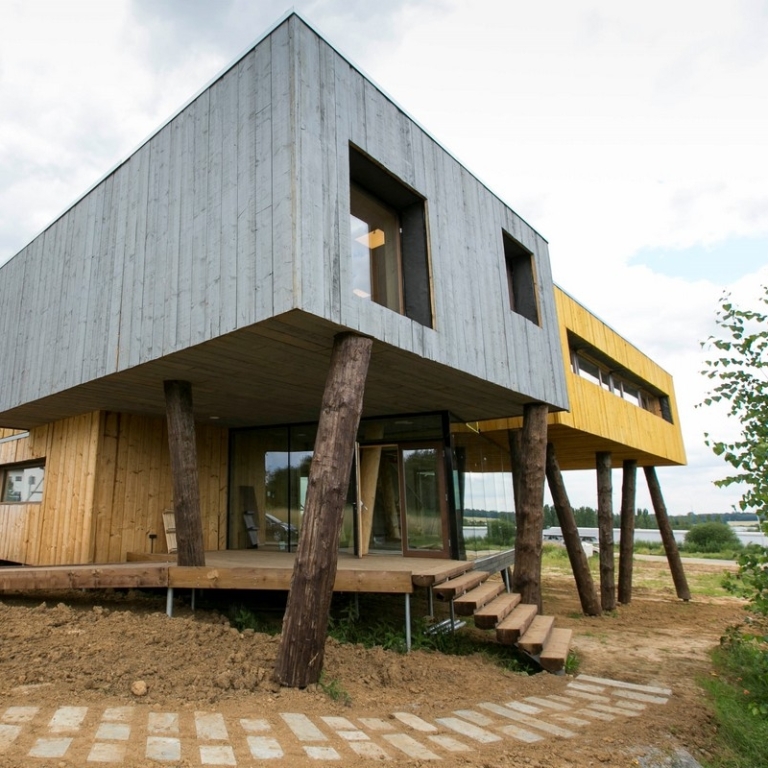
[[255, 292], [107, 482], [283, 168], [156, 268], [317, 216], [150, 260], [225, 283], [134, 486]]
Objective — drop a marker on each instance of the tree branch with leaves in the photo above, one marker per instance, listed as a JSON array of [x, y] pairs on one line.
[[738, 369]]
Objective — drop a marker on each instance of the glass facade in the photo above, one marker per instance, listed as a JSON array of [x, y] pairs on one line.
[[415, 489]]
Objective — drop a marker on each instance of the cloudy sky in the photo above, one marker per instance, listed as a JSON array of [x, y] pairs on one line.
[[633, 136]]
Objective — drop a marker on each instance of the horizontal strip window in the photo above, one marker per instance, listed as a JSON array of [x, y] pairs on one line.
[[599, 374], [22, 483]]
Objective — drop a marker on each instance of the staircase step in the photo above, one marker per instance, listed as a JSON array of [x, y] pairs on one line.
[[461, 584], [470, 601], [491, 614], [555, 652], [536, 635], [509, 630]]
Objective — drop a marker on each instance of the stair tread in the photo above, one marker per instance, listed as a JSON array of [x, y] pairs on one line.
[[492, 613], [555, 652], [460, 585], [535, 637], [475, 598], [509, 630]]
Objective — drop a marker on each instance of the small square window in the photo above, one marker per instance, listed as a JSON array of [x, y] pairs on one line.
[[388, 235], [521, 279], [22, 484]]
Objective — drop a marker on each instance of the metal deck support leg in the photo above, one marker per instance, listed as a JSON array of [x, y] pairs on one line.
[[453, 617], [431, 602], [407, 622], [507, 581], [169, 602], [357, 605], [192, 600]]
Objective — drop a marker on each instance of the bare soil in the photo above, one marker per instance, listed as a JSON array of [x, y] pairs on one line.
[[89, 649]]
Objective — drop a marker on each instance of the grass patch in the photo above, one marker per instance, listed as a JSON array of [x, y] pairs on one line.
[[334, 690], [739, 693], [375, 621]]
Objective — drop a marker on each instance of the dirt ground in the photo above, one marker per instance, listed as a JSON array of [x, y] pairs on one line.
[[89, 649]]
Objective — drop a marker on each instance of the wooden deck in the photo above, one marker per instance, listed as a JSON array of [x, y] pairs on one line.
[[235, 569]]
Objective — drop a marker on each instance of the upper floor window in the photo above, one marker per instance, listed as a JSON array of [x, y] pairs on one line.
[[22, 483], [388, 233], [601, 373], [521, 279]]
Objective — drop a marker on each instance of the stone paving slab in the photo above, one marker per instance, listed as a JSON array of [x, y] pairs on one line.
[[114, 735]]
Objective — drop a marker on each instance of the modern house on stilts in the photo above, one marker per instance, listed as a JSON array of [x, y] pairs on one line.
[[288, 202]]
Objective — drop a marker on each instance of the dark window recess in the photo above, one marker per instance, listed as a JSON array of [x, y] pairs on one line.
[[521, 279], [410, 210], [666, 410]]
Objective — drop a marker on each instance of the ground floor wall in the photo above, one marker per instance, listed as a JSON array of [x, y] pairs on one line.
[[107, 483]]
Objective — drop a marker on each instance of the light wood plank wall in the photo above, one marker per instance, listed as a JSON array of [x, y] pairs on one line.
[[107, 482]]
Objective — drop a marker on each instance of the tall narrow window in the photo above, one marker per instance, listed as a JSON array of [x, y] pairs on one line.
[[376, 260], [521, 279], [388, 231]]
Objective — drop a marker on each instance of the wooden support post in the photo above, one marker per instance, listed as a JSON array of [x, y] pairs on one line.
[[670, 545], [186, 486], [590, 603], [305, 624], [605, 530], [528, 477], [627, 541]]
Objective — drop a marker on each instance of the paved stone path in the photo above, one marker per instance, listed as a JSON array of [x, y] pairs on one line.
[[110, 735]]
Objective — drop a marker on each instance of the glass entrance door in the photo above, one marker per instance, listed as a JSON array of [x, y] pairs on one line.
[[401, 500]]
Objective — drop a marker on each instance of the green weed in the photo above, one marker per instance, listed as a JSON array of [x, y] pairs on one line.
[[739, 693], [333, 690]]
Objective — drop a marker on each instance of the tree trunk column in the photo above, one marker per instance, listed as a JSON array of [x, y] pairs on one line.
[[579, 563], [529, 504], [605, 530], [670, 545], [305, 624], [186, 485], [627, 542]]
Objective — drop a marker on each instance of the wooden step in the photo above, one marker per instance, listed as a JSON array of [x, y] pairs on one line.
[[536, 635], [556, 649], [461, 584], [509, 630], [491, 614], [476, 598]]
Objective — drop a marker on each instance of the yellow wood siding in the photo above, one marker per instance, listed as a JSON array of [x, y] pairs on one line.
[[107, 481], [599, 420]]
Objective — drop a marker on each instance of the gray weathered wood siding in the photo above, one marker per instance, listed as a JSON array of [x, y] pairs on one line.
[[188, 239], [237, 210], [474, 327]]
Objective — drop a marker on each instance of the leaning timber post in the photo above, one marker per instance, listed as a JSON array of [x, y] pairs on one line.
[[590, 603], [667, 537], [529, 506], [186, 485], [305, 624], [627, 540], [605, 530]]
